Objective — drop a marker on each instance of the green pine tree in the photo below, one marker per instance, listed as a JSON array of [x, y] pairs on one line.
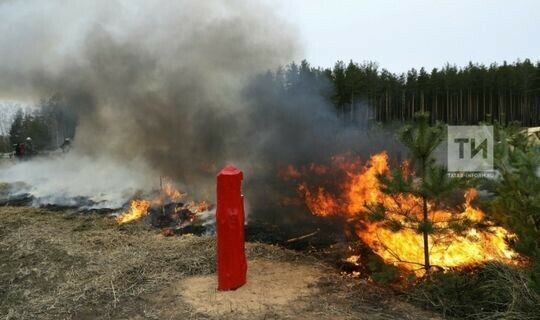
[[16, 130], [517, 191], [430, 184]]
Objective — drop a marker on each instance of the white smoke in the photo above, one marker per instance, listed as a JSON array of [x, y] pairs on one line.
[[78, 180]]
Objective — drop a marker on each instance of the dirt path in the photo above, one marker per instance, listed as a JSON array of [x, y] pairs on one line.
[[64, 266]]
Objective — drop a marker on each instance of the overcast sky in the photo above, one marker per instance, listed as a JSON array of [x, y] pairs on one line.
[[402, 34]]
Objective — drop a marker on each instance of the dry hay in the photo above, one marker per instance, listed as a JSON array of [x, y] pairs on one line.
[[67, 266]]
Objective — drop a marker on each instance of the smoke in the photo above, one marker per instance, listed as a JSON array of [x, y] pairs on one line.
[[79, 181], [174, 84]]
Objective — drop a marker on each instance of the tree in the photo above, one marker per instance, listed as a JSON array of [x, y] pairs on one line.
[[16, 131], [354, 85], [59, 117], [7, 114], [340, 87], [468, 95], [426, 188], [517, 197], [292, 77], [30, 125]]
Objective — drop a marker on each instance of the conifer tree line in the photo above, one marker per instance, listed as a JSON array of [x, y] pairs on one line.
[[502, 93], [48, 125]]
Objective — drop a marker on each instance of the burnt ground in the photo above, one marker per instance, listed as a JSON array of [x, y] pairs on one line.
[[60, 265]]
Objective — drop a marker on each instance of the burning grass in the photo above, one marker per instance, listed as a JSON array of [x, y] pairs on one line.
[[349, 188], [58, 265], [167, 195]]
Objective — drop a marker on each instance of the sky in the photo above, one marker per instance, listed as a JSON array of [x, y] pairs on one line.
[[402, 34]]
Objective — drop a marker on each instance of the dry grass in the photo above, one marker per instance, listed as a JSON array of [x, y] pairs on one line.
[[485, 292], [68, 266]]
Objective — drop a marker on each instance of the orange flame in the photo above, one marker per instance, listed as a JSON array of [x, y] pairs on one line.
[[404, 248], [198, 207], [137, 210], [168, 193]]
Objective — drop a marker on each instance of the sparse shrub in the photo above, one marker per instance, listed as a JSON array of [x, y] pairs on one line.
[[382, 272], [490, 291]]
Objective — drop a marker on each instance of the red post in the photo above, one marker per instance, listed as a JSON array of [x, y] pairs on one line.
[[231, 257]]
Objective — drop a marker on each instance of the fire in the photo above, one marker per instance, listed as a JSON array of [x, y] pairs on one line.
[[320, 202], [353, 259], [198, 207], [139, 208], [404, 247], [169, 192]]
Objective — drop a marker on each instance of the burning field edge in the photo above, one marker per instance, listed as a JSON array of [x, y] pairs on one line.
[[63, 265]]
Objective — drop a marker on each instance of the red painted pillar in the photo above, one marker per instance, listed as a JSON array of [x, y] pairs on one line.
[[231, 257]]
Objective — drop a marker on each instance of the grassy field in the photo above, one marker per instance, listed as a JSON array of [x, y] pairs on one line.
[[59, 265]]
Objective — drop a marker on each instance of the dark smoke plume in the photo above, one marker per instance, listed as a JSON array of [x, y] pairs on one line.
[[174, 83]]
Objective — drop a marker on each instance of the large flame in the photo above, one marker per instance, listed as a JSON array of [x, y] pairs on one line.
[[360, 187]]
